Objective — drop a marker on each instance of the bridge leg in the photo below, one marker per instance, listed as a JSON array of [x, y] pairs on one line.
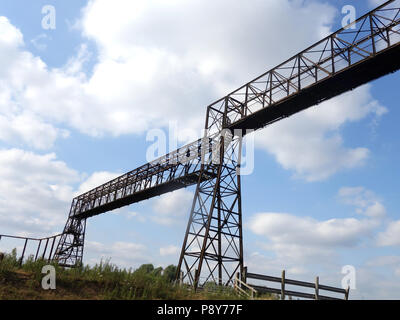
[[212, 249], [69, 250]]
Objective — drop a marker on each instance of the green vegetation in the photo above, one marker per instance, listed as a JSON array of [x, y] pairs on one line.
[[102, 281]]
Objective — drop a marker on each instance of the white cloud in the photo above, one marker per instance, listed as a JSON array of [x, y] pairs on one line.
[[26, 128], [391, 236], [38, 41], [310, 143], [35, 192], [304, 241], [384, 261], [19, 123], [96, 179], [364, 200], [158, 61], [305, 231], [10, 37], [169, 251], [38, 190], [161, 63], [123, 254], [173, 207]]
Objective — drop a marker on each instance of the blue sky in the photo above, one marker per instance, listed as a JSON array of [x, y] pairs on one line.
[[77, 102]]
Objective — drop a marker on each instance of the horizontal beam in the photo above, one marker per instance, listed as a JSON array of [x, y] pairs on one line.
[[384, 63], [332, 66], [27, 238], [294, 282], [295, 84], [261, 289]]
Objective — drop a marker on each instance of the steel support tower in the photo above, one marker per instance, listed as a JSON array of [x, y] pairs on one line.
[[213, 244]]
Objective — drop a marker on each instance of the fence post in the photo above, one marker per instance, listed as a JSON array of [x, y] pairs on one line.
[[23, 253], [244, 275], [196, 285], [181, 278], [37, 252], [346, 295], [45, 248], [317, 288], [51, 250], [283, 286], [236, 282]]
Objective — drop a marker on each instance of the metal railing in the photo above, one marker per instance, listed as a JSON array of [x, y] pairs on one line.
[[47, 253], [375, 32]]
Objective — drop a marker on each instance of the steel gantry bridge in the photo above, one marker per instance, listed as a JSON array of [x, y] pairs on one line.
[[213, 243]]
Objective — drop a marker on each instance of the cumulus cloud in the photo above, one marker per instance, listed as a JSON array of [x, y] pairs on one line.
[[123, 254], [96, 179], [311, 144], [287, 229], [27, 128], [169, 251], [365, 201], [384, 261], [173, 207], [35, 192], [304, 240], [391, 236], [158, 62]]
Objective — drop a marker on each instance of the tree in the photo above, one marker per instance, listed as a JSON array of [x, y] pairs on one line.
[[145, 268], [170, 272]]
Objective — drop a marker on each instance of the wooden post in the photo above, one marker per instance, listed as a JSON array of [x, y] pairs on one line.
[[237, 280], [51, 250], [37, 252], [23, 253], [45, 248], [181, 278], [283, 286], [346, 295], [244, 275], [317, 288], [196, 280]]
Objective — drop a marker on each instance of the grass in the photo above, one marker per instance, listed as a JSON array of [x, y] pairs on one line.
[[104, 281]]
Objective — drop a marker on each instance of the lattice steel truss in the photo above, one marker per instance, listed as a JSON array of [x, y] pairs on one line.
[[212, 250], [315, 72], [213, 245], [69, 252]]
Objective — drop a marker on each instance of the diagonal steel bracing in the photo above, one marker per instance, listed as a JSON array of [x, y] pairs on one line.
[[213, 248]]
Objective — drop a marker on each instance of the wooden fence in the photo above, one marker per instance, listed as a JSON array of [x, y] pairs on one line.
[[283, 292]]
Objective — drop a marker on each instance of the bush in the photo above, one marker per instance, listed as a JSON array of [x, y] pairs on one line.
[[107, 281], [10, 261]]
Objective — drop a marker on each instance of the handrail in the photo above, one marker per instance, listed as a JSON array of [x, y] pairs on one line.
[[284, 281], [238, 284], [39, 240]]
